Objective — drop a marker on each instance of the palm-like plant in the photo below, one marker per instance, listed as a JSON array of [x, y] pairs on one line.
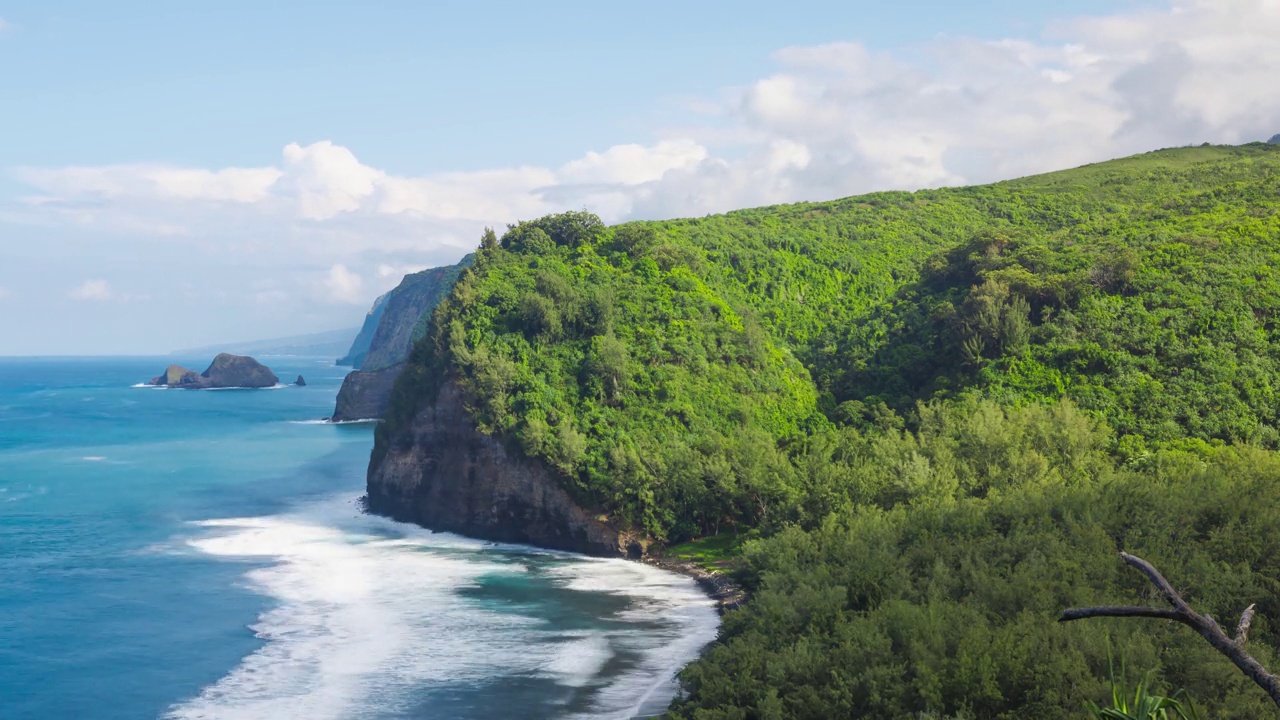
[[1142, 704]]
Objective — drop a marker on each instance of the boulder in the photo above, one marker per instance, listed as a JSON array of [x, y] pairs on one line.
[[300, 382]]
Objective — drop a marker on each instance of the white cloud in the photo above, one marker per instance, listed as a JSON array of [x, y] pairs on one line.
[[830, 121], [396, 272], [344, 286], [327, 179], [159, 182], [92, 290], [632, 164]]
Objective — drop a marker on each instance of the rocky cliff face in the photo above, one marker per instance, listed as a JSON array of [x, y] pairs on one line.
[[397, 320], [365, 394], [360, 346], [443, 474], [415, 296]]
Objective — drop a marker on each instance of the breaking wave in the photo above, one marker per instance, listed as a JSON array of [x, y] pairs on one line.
[[373, 618]]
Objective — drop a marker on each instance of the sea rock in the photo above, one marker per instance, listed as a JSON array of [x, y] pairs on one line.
[[226, 371], [174, 376], [238, 371], [300, 382], [443, 474], [366, 394]]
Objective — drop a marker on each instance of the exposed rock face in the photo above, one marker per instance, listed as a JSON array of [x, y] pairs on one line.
[[397, 320], [402, 314], [178, 376], [443, 474], [226, 371], [364, 395], [239, 371], [1275, 140], [360, 346], [300, 382]]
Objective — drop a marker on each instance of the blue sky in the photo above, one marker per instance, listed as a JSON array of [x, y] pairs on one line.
[[261, 169]]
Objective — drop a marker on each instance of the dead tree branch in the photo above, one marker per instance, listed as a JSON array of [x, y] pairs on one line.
[[1203, 624]]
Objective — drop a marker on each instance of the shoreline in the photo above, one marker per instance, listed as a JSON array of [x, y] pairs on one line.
[[721, 588], [724, 590]]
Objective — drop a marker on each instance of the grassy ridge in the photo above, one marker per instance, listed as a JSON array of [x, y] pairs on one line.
[[674, 371], [929, 420]]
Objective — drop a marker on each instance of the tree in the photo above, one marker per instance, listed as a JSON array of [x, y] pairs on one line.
[[608, 363]]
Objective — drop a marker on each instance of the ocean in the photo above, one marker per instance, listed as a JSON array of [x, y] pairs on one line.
[[202, 554]]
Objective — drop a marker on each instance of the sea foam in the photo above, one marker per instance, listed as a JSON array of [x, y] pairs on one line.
[[370, 615]]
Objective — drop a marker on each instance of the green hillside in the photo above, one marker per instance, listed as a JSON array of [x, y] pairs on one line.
[[933, 418]]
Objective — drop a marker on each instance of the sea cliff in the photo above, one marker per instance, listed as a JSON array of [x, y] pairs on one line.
[[396, 321], [365, 394], [440, 472]]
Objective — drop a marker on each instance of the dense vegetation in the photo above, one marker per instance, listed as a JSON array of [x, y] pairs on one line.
[[933, 416], [948, 604]]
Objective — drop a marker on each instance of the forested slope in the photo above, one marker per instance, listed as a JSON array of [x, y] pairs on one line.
[[933, 417]]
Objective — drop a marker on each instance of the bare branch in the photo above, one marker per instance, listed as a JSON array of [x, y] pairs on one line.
[[1242, 629], [1119, 611], [1158, 580], [1203, 624]]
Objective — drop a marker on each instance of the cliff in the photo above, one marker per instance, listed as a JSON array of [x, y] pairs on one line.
[[364, 339], [399, 326], [365, 394], [443, 474], [398, 319]]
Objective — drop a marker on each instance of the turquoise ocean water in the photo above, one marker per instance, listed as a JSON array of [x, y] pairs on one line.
[[180, 554]]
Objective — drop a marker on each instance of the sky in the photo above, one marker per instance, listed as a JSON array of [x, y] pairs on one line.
[[183, 174]]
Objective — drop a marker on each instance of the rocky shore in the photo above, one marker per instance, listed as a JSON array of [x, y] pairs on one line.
[[727, 593]]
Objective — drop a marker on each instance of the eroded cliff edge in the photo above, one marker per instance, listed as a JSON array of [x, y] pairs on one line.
[[365, 394], [440, 472]]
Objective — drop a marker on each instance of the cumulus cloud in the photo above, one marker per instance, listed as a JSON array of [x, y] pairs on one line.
[[92, 290], [327, 179], [344, 286], [829, 121]]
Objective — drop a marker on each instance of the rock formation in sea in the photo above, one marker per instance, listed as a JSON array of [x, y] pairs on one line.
[[365, 394], [226, 371], [442, 473], [401, 319], [300, 382]]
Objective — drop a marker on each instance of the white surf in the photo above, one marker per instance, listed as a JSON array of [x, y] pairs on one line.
[[369, 616]]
